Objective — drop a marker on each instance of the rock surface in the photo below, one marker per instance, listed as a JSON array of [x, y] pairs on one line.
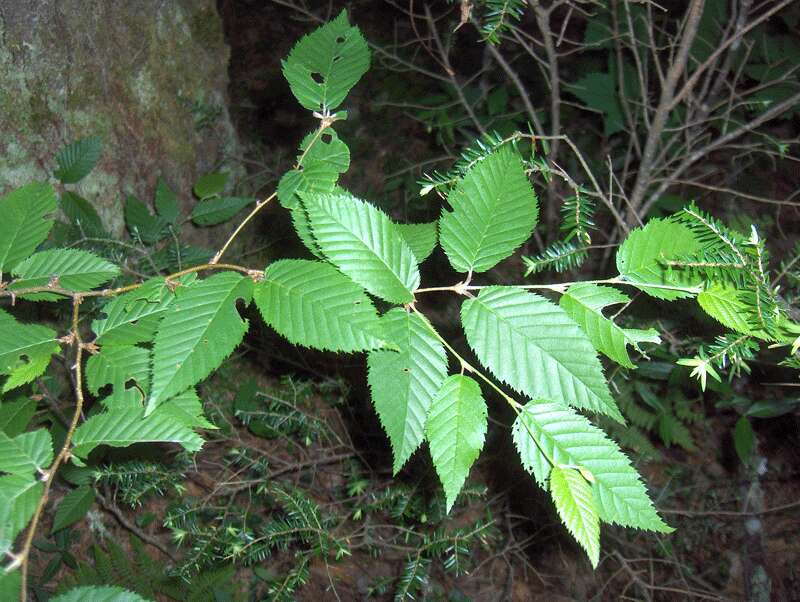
[[147, 76]]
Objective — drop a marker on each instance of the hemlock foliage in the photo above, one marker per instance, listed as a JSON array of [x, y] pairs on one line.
[[154, 341]]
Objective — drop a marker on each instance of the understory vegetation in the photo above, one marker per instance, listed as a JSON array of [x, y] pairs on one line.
[[551, 351]]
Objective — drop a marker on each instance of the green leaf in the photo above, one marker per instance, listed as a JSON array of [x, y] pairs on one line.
[[198, 331], [574, 500], [598, 91], [73, 507], [532, 345], [25, 350], [123, 399], [15, 415], [126, 426], [494, 212], [142, 224], [403, 384], [420, 238], [210, 185], [26, 453], [727, 305], [92, 593], [584, 302], [546, 432], [134, 317], [71, 269], [19, 495], [76, 160], [364, 244], [323, 157], [303, 229], [325, 64], [744, 440], [29, 371], [23, 227], [641, 257], [210, 212], [456, 430], [166, 202], [82, 214], [187, 409], [313, 304], [116, 365], [10, 585]]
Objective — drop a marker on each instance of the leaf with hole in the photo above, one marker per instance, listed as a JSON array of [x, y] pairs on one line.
[[200, 329], [325, 64], [25, 350], [117, 365], [134, 316], [323, 158]]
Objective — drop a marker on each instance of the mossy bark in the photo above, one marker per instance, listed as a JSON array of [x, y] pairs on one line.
[[147, 76]]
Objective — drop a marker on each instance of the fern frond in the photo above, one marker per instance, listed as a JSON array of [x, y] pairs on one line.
[[413, 581], [498, 16], [482, 148], [712, 234], [577, 217], [559, 257]]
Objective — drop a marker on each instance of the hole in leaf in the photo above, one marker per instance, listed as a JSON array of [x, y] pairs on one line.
[[317, 77], [340, 40], [337, 58], [327, 137]]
